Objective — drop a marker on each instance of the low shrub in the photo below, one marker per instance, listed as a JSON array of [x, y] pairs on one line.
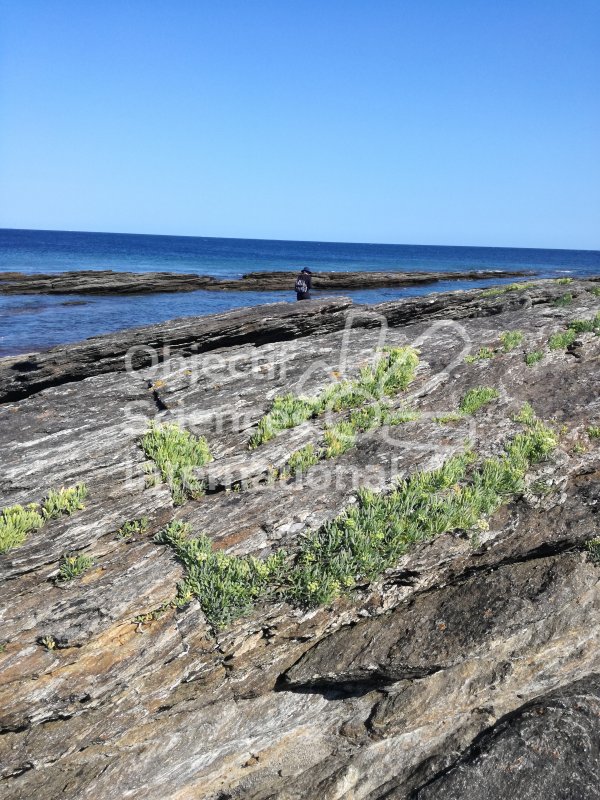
[[563, 300], [476, 398], [339, 438], [534, 357], [482, 354], [133, 527], [510, 340], [64, 501], [526, 415], [72, 565], [302, 459], [391, 373], [560, 341], [226, 586], [176, 454], [593, 548], [16, 523], [497, 290], [364, 540]]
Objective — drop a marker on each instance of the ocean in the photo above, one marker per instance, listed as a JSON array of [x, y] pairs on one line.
[[35, 322]]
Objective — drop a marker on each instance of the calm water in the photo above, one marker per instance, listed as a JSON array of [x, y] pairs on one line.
[[31, 322]]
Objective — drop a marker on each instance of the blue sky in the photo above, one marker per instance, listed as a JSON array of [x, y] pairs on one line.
[[426, 122]]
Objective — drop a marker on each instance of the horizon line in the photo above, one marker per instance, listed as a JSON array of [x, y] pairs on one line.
[[299, 241]]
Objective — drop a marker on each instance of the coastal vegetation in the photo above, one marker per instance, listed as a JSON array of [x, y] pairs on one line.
[[534, 357], [365, 539], [510, 340], [476, 398], [563, 300], [391, 373], [560, 341], [17, 522], [72, 565], [176, 453], [482, 354], [498, 290], [133, 527], [64, 501]]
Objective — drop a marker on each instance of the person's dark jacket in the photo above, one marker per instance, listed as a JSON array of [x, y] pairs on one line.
[[305, 276]]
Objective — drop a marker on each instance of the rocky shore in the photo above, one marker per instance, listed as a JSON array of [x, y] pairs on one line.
[[138, 659], [115, 283]]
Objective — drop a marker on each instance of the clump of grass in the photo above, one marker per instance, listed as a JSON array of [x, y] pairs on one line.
[[593, 548], [595, 291], [476, 398], [64, 501], [510, 340], [586, 325], [16, 523], [304, 458], [286, 412], [392, 373], [534, 357], [369, 417], [73, 565], [364, 540], [226, 586], [560, 341], [133, 527], [371, 536], [176, 454], [594, 431], [563, 281], [526, 415], [402, 416], [497, 290], [49, 642], [445, 419], [482, 354], [563, 300], [339, 438]]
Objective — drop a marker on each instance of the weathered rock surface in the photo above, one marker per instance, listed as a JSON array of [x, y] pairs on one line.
[[108, 281], [471, 669]]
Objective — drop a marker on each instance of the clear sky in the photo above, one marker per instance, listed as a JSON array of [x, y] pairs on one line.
[[429, 122]]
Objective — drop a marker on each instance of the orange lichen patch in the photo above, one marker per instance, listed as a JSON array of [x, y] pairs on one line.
[[92, 575], [240, 535], [39, 671]]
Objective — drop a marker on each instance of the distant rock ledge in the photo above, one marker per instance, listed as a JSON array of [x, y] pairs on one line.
[[114, 283]]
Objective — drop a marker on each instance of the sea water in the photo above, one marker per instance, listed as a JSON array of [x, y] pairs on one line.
[[34, 322]]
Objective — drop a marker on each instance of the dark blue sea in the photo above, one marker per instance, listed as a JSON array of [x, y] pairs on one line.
[[31, 322]]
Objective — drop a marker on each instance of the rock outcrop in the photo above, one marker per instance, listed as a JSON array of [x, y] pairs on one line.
[[109, 281], [468, 668]]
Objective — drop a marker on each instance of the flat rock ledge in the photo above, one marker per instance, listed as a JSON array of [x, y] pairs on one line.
[[470, 669], [112, 282]]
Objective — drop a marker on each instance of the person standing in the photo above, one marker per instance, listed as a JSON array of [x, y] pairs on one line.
[[303, 284]]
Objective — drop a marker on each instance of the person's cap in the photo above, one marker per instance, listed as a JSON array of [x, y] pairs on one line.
[[307, 269]]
